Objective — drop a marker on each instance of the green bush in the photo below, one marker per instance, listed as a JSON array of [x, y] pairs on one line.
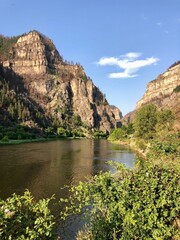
[[23, 218], [141, 144], [100, 134], [151, 122], [118, 134], [5, 139], [140, 204], [11, 135], [77, 133], [145, 121], [62, 132]]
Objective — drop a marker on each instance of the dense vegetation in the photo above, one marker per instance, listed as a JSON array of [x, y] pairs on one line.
[[134, 204], [6, 44], [139, 204], [15, 108], [143, 203], [150, 123], [19, 114], [23, 218]]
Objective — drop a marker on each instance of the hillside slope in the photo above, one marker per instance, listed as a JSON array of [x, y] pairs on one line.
[[51, 91]]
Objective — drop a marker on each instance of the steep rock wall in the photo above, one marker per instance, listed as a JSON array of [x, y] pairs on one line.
[[161, 92], [61, 90]]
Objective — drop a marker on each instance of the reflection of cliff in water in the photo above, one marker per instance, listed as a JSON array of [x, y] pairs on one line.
[[44, 168]]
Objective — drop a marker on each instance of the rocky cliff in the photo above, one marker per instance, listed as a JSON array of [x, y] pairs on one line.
[[61, 92], [163, 92]]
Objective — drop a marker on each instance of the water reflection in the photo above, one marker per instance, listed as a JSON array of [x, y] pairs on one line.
[[44, 168]]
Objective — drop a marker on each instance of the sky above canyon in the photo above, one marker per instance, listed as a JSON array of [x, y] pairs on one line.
[[122, 44]]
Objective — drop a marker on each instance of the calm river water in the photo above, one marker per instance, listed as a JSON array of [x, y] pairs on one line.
[[45, 167]]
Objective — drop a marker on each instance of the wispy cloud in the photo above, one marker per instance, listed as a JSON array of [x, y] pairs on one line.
[[159, 24], [129, 63]]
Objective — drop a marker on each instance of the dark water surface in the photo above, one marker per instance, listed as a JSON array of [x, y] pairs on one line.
[[45, 167]]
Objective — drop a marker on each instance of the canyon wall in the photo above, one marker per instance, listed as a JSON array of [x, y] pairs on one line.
[[61, 90]]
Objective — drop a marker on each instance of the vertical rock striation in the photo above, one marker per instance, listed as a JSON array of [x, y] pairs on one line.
[[60, 89], [162, 92]]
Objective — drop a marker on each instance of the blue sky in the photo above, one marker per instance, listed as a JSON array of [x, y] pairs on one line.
[[122, 44]]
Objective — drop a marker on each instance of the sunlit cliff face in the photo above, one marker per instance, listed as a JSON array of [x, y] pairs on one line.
[[162, 87], [59, 88]]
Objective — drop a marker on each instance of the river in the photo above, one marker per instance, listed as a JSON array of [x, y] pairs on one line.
[[46, 167]]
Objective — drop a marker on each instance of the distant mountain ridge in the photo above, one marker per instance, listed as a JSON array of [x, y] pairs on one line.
[[50, 92], [164, 92]]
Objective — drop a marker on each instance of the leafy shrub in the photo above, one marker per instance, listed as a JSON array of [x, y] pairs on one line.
[[63, 132], [77, 133], [23, 218], [118, 134], [122, 133], [5, 139], [145, 121], [100, 134], [139, 204], [151, 122], [165, 120], [165, 152], [141, 144], [11, 135], [164, 147]]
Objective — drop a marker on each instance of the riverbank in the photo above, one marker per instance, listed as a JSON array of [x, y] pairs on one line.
[[163, 150], [140, 147], [20, 141]]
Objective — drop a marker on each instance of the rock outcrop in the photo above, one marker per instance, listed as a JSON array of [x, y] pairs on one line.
[[33, 54], [62, 91], [162, 92]]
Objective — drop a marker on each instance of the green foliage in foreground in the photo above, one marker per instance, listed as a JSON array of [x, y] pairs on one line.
[[139, 204], [143, 203], [23, 218]]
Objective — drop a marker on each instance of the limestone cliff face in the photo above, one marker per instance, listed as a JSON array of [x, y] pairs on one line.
[[33, 54], [61, 90], [161, 89], [161, 92]]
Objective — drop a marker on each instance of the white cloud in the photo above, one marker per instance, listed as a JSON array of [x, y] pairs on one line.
[[107, 61], [132, 55], [128, 62], [121, 75]]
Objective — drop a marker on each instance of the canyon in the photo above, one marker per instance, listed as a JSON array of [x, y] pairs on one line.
[[56, 91]]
